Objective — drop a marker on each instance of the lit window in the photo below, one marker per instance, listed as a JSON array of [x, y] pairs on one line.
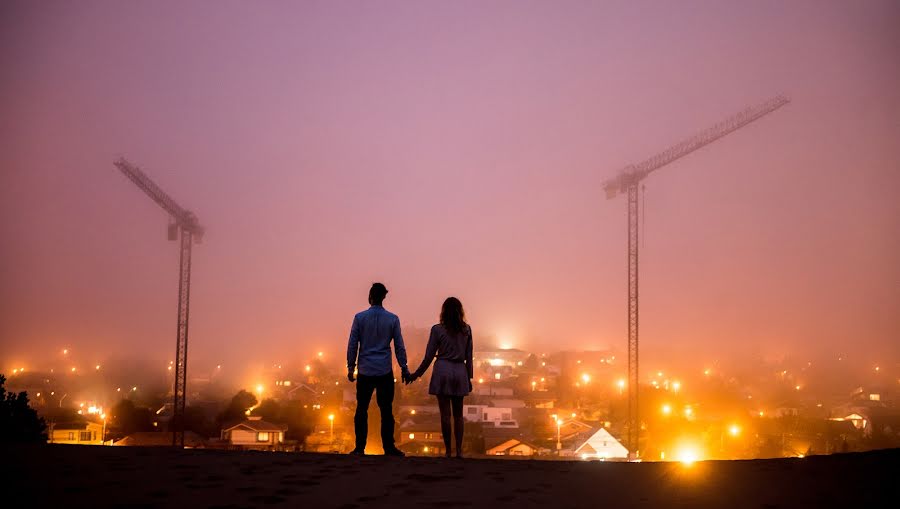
[[412, 436], [874, 397], [262, 436], [71, 435], [84, 436]]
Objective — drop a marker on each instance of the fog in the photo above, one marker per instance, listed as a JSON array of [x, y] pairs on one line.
[[449, 149]]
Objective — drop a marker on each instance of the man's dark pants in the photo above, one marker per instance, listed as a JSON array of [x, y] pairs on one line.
[[383, 386]]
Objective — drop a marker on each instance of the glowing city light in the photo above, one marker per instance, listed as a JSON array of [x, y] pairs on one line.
[[496, 376], [321, 354], [330, 417], [688, 455], [666, 409], [65, 351], [585, 378], [412, 412], [734, 430], [676, 386], [97, 367], [307, 368], [259, 388]]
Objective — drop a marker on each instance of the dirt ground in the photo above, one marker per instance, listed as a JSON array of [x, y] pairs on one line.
[[61, 476]]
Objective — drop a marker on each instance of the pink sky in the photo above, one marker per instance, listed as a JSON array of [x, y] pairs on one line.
[[449, 148]]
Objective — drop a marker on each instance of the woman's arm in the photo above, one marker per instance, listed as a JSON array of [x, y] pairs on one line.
[[430, 352], [469, 366]]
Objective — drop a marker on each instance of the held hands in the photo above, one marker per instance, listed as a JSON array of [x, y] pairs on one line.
[[408, 378]]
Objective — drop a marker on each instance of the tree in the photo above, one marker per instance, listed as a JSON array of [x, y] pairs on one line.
[[269, 410], [129, 418], [237, 408], [299, 421], [197, 420], [19, 423]]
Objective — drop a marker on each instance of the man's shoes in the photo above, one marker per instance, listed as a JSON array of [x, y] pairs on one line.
[[394, 452], [358, 452]]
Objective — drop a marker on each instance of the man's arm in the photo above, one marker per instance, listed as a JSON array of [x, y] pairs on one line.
[[400, 348], [352, 349]]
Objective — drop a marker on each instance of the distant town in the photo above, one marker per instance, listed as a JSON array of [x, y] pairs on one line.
[[545, 405]]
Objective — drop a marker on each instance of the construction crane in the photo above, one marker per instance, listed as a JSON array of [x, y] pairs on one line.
[[186, 223], [626, 182]]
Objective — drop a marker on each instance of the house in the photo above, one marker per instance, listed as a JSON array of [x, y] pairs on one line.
[[508, 358], [302, 393], [486, 414], [160, 439], [487, 389], [493, 437], [508, 403], [81, 432], [513, 447], [571, 428], [421, 435], [255, 433], [859, 422], [601, 445]]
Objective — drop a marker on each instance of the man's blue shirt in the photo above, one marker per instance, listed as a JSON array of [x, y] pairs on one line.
[[370, 339]]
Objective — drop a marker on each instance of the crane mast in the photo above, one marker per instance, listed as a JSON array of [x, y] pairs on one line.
[[626, 182], [186, 223]]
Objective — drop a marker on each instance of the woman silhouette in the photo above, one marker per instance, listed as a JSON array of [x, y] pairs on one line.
[[451, 380]]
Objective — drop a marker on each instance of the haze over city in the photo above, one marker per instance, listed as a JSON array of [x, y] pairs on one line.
[[449, 149]]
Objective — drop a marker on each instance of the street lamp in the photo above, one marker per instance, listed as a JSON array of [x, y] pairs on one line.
[[331, 421], [558, 442], [734, 430]]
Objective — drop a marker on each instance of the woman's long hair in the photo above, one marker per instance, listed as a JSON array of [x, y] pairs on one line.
[[453, 318]]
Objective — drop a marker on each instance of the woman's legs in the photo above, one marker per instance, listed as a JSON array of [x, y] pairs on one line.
[[458, 423], [444, 405]]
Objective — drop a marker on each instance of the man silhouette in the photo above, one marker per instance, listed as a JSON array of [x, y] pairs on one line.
[[370, 343]]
